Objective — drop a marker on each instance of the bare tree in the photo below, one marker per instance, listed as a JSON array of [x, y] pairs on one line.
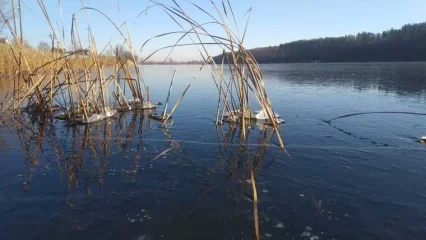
[[121, 52], [43, 46]]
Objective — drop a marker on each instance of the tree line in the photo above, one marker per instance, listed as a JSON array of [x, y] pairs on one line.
[[118, 52], [405, 44]]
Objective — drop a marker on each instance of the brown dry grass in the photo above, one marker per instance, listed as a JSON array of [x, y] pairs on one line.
[[36, 59]]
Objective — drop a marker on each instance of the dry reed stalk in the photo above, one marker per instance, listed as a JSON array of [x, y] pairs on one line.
[[135, 64], [35, 91], [245, 72], [168, 94], [181, 97], [255, 213]]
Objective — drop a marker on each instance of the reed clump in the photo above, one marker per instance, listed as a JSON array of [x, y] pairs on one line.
[[244, 81], [83, 90], [78, 85], [242, 86]]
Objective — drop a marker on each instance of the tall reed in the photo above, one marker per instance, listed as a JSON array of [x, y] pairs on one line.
[[245, 81], [43, 82]]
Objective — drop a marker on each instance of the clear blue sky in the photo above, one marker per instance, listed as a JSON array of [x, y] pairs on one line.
[[272, 22]]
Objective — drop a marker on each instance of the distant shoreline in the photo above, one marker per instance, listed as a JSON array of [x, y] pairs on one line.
[[406, 44], [172, 63], [271, 63]]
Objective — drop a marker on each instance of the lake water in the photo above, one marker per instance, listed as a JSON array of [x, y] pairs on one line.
[[360, 177]]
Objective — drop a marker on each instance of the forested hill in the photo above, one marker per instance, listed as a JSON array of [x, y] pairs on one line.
[[405, 44]]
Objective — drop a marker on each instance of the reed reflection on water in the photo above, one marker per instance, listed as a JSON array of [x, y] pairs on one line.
[[127, 178], [88, 158]]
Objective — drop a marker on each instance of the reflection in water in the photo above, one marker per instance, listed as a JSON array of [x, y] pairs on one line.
[[244, 162], [127, 178], [83, 143], [86, 157], [246, 154], [400, 78]]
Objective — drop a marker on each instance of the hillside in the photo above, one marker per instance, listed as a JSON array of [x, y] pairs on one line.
[[405, 44]]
